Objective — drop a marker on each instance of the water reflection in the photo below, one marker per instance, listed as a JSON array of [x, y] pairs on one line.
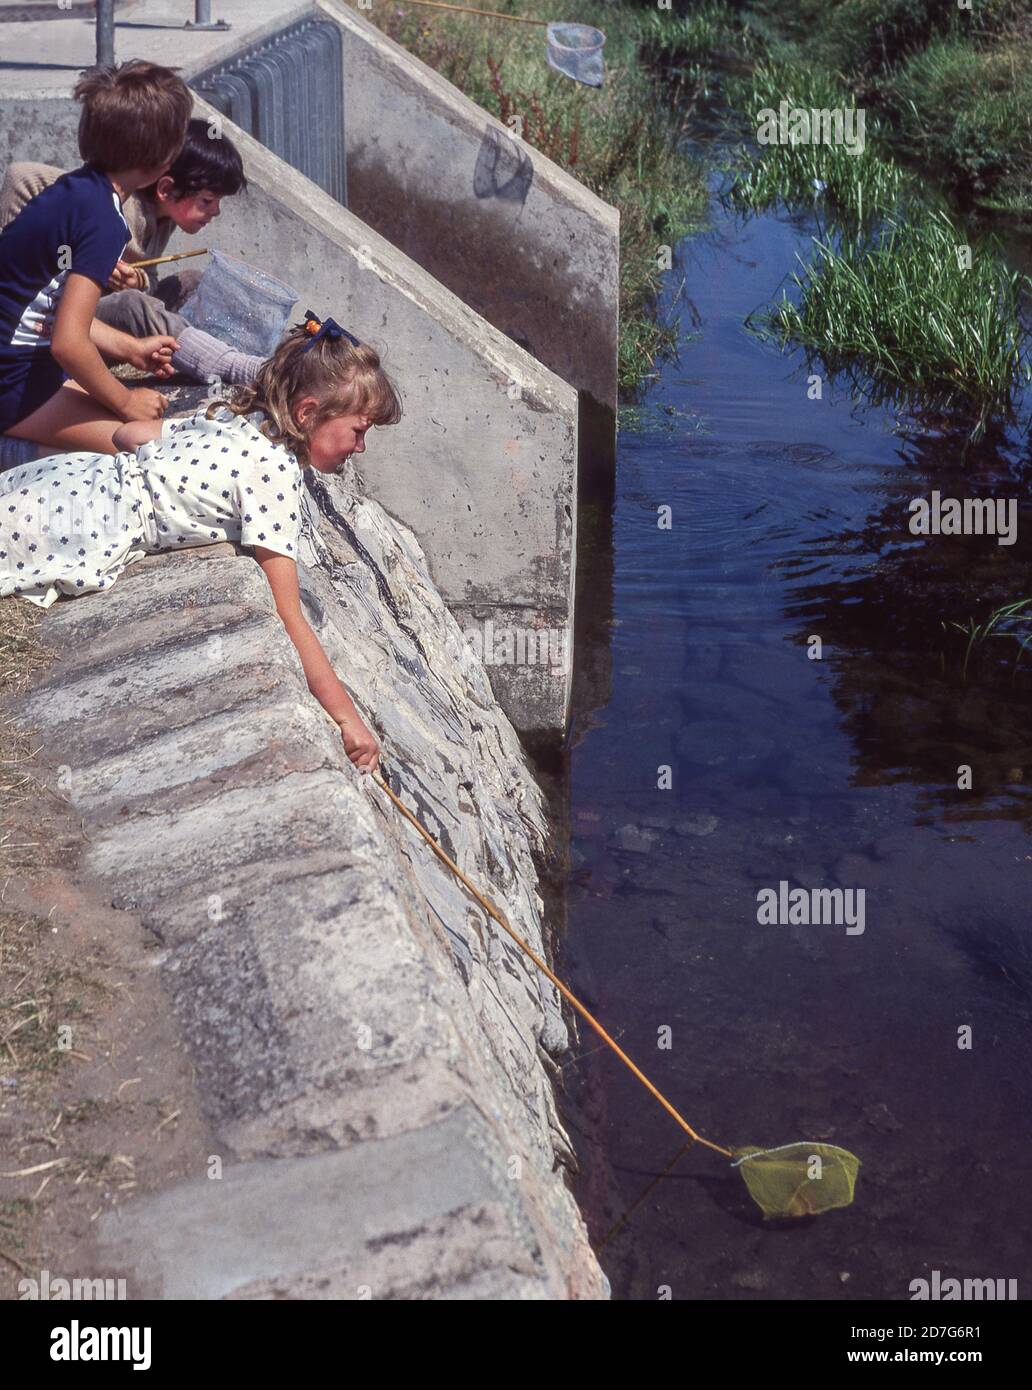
[[790, 519], [898, 677]]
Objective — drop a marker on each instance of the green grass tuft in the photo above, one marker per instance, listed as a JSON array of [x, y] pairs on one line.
[[955, 87], [853, 187], [966, 113], [899, 307], [1011, 623], [861, 37], [707, 33]]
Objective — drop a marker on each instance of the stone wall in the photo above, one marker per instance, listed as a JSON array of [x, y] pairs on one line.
[[369, 1048]]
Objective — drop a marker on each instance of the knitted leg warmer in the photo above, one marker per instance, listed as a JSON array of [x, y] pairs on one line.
[[202, 356]]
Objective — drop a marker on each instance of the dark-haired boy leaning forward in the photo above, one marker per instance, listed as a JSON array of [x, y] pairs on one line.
[[207, 169]]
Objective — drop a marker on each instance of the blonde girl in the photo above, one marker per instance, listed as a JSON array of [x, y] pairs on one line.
[[71, 523]]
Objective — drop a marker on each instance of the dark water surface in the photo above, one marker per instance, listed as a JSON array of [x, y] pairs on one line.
[[789, 520]]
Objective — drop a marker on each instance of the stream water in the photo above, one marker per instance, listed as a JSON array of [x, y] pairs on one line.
[[789, 519]]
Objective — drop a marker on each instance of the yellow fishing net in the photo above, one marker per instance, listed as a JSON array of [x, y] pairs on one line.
[[798, 1179]]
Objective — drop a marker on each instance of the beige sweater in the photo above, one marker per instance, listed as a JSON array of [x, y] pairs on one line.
[[149, 233]]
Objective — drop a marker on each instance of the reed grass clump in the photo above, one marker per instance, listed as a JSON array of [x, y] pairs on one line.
[[1010, 623], [902, 308], [708, 32], [853, 183], [954, 87]]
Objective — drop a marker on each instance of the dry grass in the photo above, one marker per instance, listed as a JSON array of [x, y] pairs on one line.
[[32, 992], [21, 653], [73, 1140]]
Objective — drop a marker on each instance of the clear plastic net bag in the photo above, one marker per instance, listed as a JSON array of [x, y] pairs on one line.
[[241, 305], [576, 51]]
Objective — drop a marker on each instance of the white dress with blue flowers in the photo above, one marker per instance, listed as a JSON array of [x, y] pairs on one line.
[[71, 523]]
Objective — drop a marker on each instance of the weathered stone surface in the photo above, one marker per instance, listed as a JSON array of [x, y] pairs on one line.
[[433, 1217], [366, 1041]]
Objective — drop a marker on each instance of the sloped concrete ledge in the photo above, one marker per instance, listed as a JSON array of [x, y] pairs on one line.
[[525, 244], [367, 1046], [344, 1225]]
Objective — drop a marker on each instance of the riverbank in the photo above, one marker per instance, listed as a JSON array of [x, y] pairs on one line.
[[952, 87], [906, 293], [941, 92]]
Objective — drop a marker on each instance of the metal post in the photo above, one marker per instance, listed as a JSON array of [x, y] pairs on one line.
[[202, 17], [105, 33]]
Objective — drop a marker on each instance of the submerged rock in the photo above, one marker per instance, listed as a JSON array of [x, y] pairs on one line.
[[701, 824], [636, 839]]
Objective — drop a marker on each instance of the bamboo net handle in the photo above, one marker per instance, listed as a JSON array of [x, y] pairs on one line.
[[466, 9], [179, 256], [567, 994]]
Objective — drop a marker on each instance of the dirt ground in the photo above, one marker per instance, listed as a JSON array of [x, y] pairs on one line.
[[96, 1096]]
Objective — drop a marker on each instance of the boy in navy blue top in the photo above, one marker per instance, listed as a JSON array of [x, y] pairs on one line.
[[58, 254], [77, 221]]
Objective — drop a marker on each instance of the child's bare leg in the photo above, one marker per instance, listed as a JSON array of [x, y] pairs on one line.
[[70, 420]]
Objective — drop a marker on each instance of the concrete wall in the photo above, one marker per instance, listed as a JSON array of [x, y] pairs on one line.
[[521, 241], [482, 467], [367, 1045], [42, 128]]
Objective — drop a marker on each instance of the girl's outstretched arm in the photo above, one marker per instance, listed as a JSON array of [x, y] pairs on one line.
[[360, 743]]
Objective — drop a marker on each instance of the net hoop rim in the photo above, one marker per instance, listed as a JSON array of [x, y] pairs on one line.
[[553, 42], [795, 1144]]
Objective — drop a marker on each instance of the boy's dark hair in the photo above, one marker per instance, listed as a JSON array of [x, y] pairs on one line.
[[134, 116], [207, 161]]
